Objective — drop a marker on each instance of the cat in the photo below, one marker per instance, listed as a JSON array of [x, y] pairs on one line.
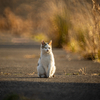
[[46, 64]]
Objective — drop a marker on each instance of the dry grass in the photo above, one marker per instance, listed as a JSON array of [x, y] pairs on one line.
[[82, 71], [14, 24], [31, 56], [15, 96], [95, 74], [72, 24]]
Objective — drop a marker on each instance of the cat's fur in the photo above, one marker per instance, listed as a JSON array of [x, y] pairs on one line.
[[46, 64]]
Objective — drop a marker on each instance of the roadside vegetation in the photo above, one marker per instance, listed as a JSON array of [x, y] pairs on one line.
[[72, 24], [15, 96]]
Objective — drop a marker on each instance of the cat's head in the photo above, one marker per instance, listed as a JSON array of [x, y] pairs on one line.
[[46, 47]]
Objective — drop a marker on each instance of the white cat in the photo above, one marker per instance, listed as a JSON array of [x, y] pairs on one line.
[[46, 64]]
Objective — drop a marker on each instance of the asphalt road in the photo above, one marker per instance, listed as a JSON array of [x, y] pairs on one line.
[[75, 78]]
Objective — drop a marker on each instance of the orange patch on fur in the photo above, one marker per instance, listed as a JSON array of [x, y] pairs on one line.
[[50, 42]]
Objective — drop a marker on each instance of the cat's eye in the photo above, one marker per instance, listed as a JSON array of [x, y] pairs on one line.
[[45, 47]]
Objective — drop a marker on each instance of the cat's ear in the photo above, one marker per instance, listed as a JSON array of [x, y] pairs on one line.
[[43, 43], [50, 43]]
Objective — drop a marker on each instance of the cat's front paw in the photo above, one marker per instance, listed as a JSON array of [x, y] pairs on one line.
[[50, 76], [43, 76]]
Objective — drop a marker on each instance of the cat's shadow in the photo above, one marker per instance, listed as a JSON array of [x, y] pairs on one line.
[[20, 77], [24, 77]]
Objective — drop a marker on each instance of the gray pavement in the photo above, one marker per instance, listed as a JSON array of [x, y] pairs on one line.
[[75, 78]]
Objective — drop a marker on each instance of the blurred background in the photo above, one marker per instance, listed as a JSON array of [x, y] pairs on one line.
[[72, 24]]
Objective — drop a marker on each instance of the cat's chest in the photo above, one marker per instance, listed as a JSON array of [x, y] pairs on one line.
[[45, 60]]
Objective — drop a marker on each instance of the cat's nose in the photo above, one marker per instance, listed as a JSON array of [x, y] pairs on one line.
[[47, 50]]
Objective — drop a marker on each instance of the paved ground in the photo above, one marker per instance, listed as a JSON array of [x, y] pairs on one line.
[[75, 78]]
